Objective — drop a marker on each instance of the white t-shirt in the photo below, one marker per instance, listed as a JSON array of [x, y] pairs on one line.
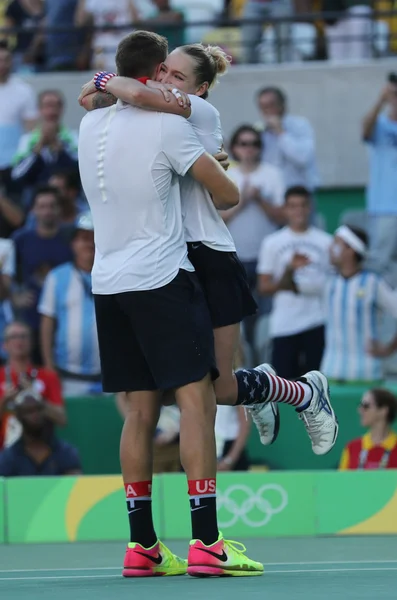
[[17, 104], [250, 225], [293, 313], [130, 160], [201, 219]]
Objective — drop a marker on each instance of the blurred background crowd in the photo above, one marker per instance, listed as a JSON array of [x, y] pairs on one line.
[[326, 298]]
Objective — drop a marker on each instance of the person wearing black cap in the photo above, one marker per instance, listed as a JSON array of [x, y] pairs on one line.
[[68, 333], [355, 298]]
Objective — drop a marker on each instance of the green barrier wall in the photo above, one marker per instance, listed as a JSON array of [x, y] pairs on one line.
[[249, 505], [331, 203], [2, 511], [95, 427]]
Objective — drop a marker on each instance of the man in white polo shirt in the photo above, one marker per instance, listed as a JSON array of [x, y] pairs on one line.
[[292, 267], [154, 327]]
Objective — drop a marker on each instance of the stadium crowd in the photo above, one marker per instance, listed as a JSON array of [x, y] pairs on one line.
[[318, 302], [90, 30]]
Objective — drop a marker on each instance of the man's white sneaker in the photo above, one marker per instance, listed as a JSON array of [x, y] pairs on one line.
[[266, 416], [319, 418]]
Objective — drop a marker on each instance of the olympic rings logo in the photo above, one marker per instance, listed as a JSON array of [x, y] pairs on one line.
[[253, 500]]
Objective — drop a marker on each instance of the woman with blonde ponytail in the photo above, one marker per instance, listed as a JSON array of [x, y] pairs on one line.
[[194, 70]]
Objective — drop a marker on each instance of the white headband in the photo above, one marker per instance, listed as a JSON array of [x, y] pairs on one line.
[[351, 239]]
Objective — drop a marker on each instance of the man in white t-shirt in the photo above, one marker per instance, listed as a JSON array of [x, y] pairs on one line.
[[154, 328], [18, 112], [292, 267]]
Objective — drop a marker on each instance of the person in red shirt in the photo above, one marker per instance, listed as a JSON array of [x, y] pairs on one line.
[[19, 374], [377, 449]]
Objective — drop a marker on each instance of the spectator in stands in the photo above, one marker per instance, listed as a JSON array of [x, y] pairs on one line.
[[7, 272], [288, 140], [350, 37], [106, 13], [64, 50], [37, 252], [292, 267], [50, 147], [72, 203], [260, 209], [232, 429], [377, 449], [18, 112], [26, 16], [68, 328], [37, 452], [355, 301], [257, 12], [168, 21], [18, 375], [380, 132]]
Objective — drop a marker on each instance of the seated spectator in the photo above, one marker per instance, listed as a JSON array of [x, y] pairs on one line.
[[37, 452], [356, 300], [292, 267], [377, 449], [18, 113], [231, 433], [168, 21], [47, 149], [105, 14], [69, 340], [37, 252], [26, 16], [72, 203], [288, 140], [19, 374], [260, 209]]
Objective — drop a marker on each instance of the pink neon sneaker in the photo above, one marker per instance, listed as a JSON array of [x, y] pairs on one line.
[[152, 562], [222, 559]]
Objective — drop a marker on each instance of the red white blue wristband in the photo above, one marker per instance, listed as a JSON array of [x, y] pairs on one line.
[[101, 79]]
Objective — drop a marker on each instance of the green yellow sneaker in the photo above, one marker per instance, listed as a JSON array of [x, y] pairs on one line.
[[152, 562], [222, 559]]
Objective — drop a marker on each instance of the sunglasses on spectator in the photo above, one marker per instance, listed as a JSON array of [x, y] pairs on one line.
[[253, 144], [365, 405]]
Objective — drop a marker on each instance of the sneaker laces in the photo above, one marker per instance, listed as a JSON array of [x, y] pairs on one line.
[[236, 546], [314, 428]]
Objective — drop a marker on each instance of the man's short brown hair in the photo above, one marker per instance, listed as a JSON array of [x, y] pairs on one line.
[[139, 53]]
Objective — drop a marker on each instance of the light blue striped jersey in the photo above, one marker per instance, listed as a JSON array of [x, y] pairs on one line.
[[354, 308], [67, 298]]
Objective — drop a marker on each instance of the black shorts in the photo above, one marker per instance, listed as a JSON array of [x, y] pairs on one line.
[[225, 285], [157, 339]]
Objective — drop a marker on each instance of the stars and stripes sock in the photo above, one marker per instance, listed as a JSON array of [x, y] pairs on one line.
[[256, 387], [139, 507]]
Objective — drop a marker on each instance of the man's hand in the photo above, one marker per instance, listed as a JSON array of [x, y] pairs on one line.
[[379, 350], [24, 299], [223, 159], [388, 93], [299, 261], [224, 466], [7, 400], [274, 124], [168, 91], [86, 90]]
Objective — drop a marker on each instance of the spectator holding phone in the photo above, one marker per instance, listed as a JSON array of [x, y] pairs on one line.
[[380, 133]]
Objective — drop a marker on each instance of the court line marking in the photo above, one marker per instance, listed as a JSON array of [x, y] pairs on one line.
[[284, 571], [267, 564]]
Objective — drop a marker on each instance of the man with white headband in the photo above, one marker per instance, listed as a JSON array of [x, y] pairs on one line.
[[355, 300]]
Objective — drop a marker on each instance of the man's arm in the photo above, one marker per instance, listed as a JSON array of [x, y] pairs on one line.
[[369, 122], [207, 171], [47, 330], [387, 303], [299, 146], [11, 212], [82, 16]]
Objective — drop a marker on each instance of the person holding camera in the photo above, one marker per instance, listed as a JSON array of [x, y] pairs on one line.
[[380, 133], [19, 375]]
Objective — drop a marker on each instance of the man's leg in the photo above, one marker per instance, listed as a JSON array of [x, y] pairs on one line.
[[285, 356], [312, 344], [136, 458]]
